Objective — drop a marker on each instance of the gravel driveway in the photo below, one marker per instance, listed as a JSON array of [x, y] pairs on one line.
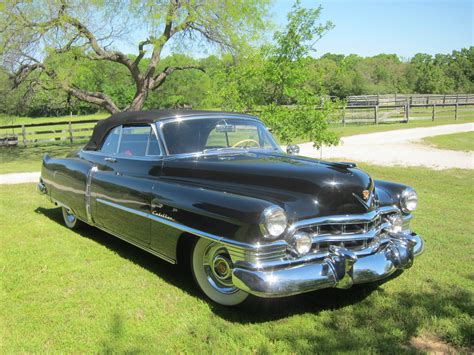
[[390, 148], [400, 147]]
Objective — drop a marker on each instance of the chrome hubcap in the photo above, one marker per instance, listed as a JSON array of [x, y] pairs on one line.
[[218, 268], [69, 216]]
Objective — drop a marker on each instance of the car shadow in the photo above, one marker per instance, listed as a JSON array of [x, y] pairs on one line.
[[253, 310]]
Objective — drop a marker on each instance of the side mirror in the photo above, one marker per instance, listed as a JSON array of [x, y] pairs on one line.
[[292, 149]]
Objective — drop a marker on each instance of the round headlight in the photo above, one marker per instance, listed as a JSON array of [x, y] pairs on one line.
[[301, 243], [409, 200], [274, 221], [396, 223]]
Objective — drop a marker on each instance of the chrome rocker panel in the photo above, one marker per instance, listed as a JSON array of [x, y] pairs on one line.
[[340, 269]]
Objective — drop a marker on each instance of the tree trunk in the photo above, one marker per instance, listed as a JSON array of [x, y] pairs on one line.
[[138, 101]]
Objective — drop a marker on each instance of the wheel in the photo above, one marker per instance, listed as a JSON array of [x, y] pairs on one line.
[[212, 270], [70, 219]]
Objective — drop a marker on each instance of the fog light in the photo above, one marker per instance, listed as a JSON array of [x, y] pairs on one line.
[[396, 223], [301, 243]]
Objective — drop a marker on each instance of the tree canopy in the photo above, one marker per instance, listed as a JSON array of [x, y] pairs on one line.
[[54, 37], [61, 57]]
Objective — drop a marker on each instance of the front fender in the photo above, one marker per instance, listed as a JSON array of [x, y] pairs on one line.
[[229, 215], [389, 193]]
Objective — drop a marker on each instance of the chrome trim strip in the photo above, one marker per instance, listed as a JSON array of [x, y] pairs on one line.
[[119, 140], [88, 194], [199, 233], [217, 114], [138, 245]]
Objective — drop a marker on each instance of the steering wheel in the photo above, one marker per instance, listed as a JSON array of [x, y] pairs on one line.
[[246, 141]]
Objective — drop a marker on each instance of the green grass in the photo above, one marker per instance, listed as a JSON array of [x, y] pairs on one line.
[[18, 120], [64, 291], [350, 130], [26, 159], [457, 141]]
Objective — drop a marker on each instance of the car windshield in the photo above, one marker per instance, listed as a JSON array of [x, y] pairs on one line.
[[216, 134]]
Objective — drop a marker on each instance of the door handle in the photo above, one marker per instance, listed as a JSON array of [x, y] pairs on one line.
[[110, 160]]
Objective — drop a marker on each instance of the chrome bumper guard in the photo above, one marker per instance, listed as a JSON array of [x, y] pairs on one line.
[[41, 188], [340, 269]]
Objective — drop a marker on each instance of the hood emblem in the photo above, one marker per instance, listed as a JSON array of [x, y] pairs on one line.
[[365, 194], [366, 199]]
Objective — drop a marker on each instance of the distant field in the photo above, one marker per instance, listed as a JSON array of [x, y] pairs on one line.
[[458, 141], [351, 130], [26, 159], [9, 120]]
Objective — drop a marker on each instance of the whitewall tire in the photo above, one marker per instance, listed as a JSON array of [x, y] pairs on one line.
[[212, 271]]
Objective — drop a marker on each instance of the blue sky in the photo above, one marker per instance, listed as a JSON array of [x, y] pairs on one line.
[[369, 27]]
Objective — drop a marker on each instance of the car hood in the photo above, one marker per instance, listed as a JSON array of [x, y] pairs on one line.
[[304, 187]]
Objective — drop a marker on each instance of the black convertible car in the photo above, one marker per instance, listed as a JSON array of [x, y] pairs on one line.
[[255, 220]]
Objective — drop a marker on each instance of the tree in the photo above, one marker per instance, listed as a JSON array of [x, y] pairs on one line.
[[286, 70], [53, 36]]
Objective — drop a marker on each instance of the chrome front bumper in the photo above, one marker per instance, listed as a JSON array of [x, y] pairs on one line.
[[340, 269]]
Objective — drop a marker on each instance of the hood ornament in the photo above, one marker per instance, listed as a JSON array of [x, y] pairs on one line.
[[365, 194], [366, 199]]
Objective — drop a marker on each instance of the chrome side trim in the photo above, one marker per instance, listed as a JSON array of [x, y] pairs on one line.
[[228, 242], [138, 245], [88, 194]]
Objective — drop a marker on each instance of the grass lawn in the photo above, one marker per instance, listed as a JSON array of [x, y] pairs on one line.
[[26, 159], [351, 130], [16, 120], [457, 141], [63, 291]]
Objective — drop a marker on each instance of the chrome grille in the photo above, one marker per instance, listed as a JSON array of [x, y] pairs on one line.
[[361, 233], [355, 236]]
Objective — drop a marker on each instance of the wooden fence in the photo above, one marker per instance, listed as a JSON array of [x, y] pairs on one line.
[[77, 131], [409, 99], [70, 131], [375, 114]]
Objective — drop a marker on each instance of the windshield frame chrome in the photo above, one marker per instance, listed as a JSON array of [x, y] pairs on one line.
[[161, 123]]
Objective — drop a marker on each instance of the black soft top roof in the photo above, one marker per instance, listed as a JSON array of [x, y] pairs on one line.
[[103, 127]]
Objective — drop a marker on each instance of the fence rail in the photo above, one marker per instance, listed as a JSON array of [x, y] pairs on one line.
[[412, 99], [11, 135], [386, 112]]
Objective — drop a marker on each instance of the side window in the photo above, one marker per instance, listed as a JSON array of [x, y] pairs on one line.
[[153, 145], [134, 140], [111, 142]]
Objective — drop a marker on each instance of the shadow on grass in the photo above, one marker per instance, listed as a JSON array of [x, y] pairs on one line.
[[256, 309], [386, 323]]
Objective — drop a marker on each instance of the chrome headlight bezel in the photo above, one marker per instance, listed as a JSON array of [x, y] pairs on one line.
[[301, 243], [273, 222], [409, 200]]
